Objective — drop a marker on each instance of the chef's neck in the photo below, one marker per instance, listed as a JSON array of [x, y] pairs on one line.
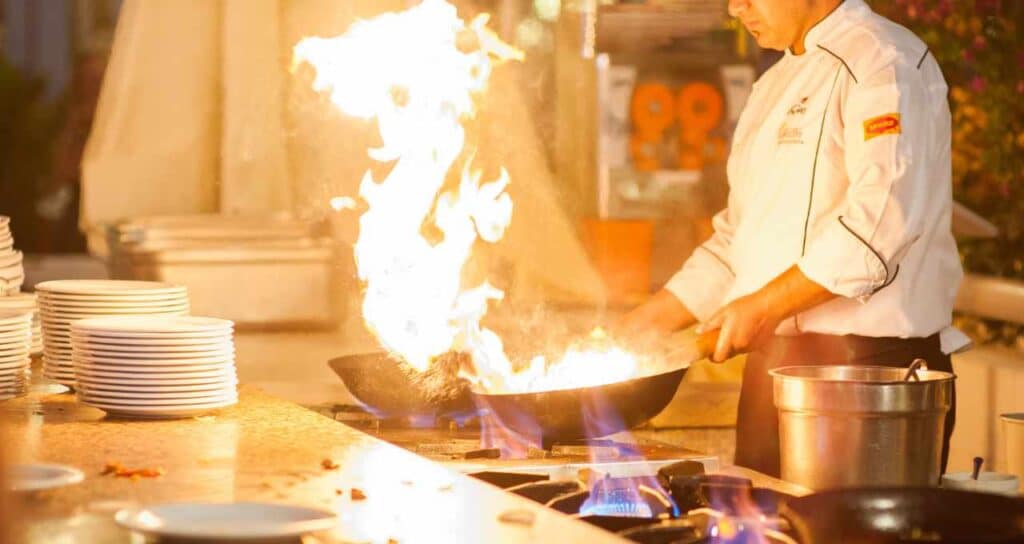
[[817, 10]]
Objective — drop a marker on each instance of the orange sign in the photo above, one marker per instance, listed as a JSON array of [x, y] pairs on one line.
[[883, 124]]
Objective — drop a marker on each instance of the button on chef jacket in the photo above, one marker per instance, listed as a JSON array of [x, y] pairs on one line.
[[840, 164]]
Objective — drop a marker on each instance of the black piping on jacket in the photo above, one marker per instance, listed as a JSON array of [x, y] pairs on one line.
[[888, 281]]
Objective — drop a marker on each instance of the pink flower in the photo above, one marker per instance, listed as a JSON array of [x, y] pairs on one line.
[[980, 42], [968, 55], [978, 84]]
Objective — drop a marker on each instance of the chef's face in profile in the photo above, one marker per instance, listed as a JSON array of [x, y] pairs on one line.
[[775, 24]]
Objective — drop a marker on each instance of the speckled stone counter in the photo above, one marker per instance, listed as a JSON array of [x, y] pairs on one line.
[[263, 449]]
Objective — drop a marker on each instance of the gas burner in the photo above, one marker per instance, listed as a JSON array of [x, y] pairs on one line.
[[679, 504]]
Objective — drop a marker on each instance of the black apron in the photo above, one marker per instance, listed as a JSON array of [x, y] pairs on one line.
[[757, 425]]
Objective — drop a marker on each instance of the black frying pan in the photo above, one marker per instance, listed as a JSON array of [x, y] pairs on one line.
[[587, 412], [590, 412], [897, 515], [378, 382]]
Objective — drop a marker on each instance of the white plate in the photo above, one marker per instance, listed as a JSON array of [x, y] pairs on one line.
[[79, 305], [63, 373], [11, 357], [226, 395], [16, 333], [11, 319], [56, 354], [50, 365], [15, 379], [226, 521], [100, 341], [226, 373], [18, 351], [154, 362], [10, 263], [145, 336], [86, 365], [11, 259], [14, 344], [191, 356], [112, 302], [63, 326], [131, 381], [193, 347], [109, 287], [159, 412], [154, 324], [47, 312], [82, 313], [28, 299], [65, 320], [138, 388], [7, 367], [40, 476]]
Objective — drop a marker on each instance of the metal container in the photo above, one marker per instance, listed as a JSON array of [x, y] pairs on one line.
[[853, 426], [259, 271]]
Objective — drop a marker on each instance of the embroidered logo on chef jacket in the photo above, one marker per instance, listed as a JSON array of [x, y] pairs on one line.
[[788, 133], [883, 124]]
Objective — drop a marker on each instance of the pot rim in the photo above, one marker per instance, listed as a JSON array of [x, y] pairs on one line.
[[779, 374]]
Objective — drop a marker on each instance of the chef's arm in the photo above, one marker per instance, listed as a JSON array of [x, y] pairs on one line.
[[696, 290], [749, 320], [888, 122]]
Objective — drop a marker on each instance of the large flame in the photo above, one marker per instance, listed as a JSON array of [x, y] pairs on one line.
[[417, 73]]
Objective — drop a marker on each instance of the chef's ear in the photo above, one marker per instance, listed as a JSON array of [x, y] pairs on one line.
[[737, 7]]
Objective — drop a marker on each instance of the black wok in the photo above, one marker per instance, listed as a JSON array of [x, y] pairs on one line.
[[378, 382], [586, 412], [896, 515], [591, 412]]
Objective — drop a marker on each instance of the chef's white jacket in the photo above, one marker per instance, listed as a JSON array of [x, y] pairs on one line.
[[840, 164]]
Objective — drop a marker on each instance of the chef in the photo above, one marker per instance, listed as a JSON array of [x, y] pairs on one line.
[[835, 246]]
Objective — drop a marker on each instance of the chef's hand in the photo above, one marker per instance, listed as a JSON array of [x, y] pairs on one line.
[[744, 323], [662, 314], [750, 320]]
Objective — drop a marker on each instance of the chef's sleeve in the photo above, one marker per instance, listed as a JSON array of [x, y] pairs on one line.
[[887, 120], [706, 276]]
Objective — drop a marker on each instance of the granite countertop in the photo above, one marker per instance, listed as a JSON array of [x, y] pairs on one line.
[[263, 449]]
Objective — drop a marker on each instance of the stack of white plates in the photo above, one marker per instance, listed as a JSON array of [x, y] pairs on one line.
[[15, 344], [63, 302], [26, 302], [12, 274], [155, 367]]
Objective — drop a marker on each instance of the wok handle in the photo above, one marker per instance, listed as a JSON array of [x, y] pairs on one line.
[[706, 343]]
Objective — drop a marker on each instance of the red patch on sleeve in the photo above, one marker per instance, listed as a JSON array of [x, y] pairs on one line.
[[883, 124]]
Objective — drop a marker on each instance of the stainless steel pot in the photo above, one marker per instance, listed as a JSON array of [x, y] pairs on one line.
[[853, 426]]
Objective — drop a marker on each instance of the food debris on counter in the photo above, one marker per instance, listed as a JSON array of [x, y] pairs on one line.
[[339, 492], [120, 471], [518, 517], [329, 464], [358, 495]]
